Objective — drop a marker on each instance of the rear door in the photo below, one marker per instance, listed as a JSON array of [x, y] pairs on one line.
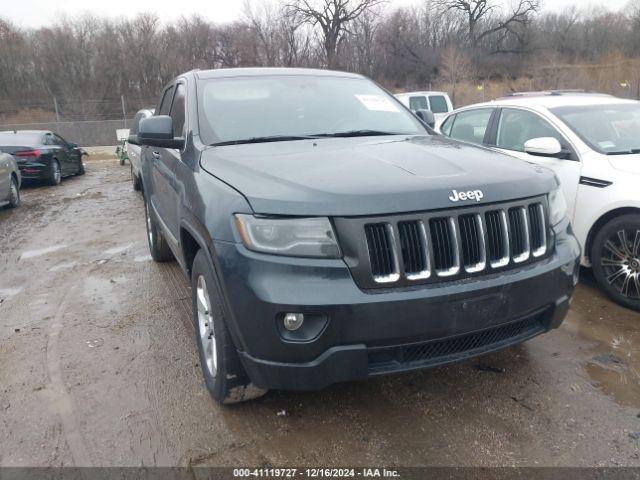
[[515, 126], [161, 170]]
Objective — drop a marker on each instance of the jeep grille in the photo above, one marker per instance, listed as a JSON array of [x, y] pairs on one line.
[[452, 244]]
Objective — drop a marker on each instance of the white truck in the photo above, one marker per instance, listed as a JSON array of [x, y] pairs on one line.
[[438, 102]]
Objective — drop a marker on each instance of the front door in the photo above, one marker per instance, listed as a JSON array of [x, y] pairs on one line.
[[517, 126]]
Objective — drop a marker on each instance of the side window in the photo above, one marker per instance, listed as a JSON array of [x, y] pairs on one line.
[[445, 128], [418, 103], [438, 104], [165, 105], [58, 140], [48, 139], [178, 111], [517, 126], [470, 126]]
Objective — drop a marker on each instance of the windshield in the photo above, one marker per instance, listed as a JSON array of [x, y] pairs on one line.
[[609, 129], [294, 107]]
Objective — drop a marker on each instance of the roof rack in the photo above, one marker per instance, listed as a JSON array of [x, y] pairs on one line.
[[553, 93]]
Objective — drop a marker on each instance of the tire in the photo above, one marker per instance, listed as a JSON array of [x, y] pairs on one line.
[[224, 375], [55, 176], [160, 251], [81, 170], [135, 180], [616, 267], [14, 193]]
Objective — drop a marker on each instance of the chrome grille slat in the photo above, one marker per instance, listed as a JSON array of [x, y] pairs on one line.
[[444, 237], [415, 252], [418, 248], [538, 230], [519, 234], [498, 235], [382, 252], [472, 242]]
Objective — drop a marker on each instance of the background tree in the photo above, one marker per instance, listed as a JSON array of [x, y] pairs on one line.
[[332, 17], [456, 66]]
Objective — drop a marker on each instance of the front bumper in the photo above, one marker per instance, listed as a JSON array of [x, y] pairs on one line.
[[355, 333]]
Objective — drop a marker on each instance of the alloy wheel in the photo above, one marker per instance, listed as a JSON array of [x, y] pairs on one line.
[[56, 172], [205, 326], [621, 262]]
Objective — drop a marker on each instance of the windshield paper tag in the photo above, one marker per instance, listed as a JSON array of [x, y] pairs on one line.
[[377, 103]]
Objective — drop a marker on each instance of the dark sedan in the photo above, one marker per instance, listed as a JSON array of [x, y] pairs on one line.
[[43, 155]]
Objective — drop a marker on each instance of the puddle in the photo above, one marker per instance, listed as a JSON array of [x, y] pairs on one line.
[[9, 292], [614, 331], [100, 286], [63, 266], [94, 343], [118, 249], [617, 381], [142, 258], [40, 252]]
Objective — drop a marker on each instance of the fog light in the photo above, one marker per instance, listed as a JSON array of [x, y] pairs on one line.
[[293, 321]]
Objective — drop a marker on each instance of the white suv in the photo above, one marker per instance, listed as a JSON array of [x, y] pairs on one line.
[[592, 143]]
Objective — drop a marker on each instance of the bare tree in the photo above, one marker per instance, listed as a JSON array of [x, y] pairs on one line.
[[484, 18], [333, 17], [456, 66]]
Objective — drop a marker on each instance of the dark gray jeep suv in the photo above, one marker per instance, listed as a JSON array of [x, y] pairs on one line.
[[329, 235]]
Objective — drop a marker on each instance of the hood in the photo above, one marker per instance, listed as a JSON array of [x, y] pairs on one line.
[[370, 175], [625, 163]]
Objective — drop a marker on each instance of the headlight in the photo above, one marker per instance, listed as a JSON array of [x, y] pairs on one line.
[[557, 206], [298, 237]]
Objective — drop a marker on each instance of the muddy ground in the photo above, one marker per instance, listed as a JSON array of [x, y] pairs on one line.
[[98, 366]]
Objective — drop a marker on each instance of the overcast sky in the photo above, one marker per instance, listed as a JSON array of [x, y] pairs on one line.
[[34, 13]]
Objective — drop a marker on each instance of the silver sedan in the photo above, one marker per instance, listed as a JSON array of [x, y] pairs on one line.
[[10, 180]]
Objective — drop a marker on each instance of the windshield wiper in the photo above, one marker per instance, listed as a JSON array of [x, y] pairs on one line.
[[631, 151], [272, 138], [359, 133]]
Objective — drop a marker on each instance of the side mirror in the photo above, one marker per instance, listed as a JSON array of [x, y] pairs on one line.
[[427, 117], [543, 147], [72, 145], [157, 131]]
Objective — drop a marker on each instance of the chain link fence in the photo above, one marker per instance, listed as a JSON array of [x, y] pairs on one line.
[[85, 122]]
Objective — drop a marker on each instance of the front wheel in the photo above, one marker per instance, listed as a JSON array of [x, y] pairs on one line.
[[615, 256], [14, 193], [222, 369], [81, 170]]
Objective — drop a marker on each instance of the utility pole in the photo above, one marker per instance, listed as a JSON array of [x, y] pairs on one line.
[[55, 106], [124, 112]]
